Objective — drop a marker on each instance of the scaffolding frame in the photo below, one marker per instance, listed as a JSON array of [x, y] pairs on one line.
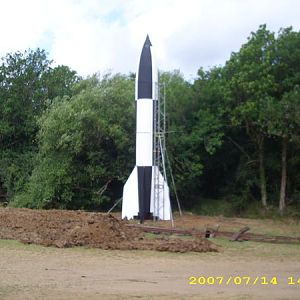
[[159, 149]]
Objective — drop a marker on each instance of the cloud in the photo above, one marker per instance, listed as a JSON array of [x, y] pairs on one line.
[[93, 35]]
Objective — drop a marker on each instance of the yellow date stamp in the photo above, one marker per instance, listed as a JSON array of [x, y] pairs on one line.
[[243, 280]]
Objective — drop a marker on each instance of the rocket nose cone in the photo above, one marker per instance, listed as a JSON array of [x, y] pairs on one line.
[[145, 72], [147, 42]]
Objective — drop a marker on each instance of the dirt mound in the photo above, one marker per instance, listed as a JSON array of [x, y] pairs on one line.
[[62, 228]]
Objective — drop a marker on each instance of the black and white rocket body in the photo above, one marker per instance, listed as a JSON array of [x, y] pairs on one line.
[[146, 193]]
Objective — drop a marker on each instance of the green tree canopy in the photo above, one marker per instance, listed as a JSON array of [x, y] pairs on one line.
[[27, 80], [86, 142]]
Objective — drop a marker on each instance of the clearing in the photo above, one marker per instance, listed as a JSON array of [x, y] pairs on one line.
[[30, 271]]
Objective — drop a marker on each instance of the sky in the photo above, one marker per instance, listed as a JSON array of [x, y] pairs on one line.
[[93, 36]]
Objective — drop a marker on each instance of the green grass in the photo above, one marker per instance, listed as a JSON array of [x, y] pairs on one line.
[[11, 244], [17, 245], [256, 249], [149, 235], [237, 207]]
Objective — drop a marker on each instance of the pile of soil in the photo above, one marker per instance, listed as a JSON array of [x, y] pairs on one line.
[[62, 228]]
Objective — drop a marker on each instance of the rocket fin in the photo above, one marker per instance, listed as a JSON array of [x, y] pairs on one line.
[[130, 203], [162, 208]]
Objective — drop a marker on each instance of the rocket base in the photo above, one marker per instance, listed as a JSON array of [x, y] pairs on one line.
[[148, 216], [132, 197]]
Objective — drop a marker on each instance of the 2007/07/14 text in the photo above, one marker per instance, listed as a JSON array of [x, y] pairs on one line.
[[243, 280]]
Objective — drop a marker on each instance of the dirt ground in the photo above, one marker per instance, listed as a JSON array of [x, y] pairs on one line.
[[64, 229], [37, 272], [29, 271]]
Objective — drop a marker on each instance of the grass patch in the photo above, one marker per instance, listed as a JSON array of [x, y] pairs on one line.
[[256, 249], [238, 207], [185, 237], [17, 245], [12, 244]]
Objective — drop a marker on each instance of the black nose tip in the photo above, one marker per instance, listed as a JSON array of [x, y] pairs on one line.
[[145, 72]]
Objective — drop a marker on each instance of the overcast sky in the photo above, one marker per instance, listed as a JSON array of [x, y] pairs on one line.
[[97, 35]]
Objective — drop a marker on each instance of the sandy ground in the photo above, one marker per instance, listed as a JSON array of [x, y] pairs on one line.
[[38, 272]]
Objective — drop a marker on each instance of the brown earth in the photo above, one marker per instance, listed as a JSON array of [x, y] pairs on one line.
[[77, 228], [35, 272]]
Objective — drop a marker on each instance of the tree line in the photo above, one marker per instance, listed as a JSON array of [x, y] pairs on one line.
[[233, 134]]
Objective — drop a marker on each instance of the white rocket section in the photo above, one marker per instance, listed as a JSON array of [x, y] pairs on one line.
[[144, 132], [154, 77]]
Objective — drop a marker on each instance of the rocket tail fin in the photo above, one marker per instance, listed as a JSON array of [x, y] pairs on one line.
[[160, 206], [130, 203], [160, 196]]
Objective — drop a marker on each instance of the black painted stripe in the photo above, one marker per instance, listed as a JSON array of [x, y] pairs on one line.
[[144, 190]]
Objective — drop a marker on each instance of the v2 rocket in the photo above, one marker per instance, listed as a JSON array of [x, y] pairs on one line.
[[146, 193]]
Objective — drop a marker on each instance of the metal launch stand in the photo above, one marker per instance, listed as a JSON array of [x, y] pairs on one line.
[[159, 150]]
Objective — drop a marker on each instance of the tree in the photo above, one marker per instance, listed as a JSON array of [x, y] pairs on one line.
[[251, 83], [26, 83], [283, 122], [22, 95], [60, 81], [85, 142], [282, 114], [288, 44]]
